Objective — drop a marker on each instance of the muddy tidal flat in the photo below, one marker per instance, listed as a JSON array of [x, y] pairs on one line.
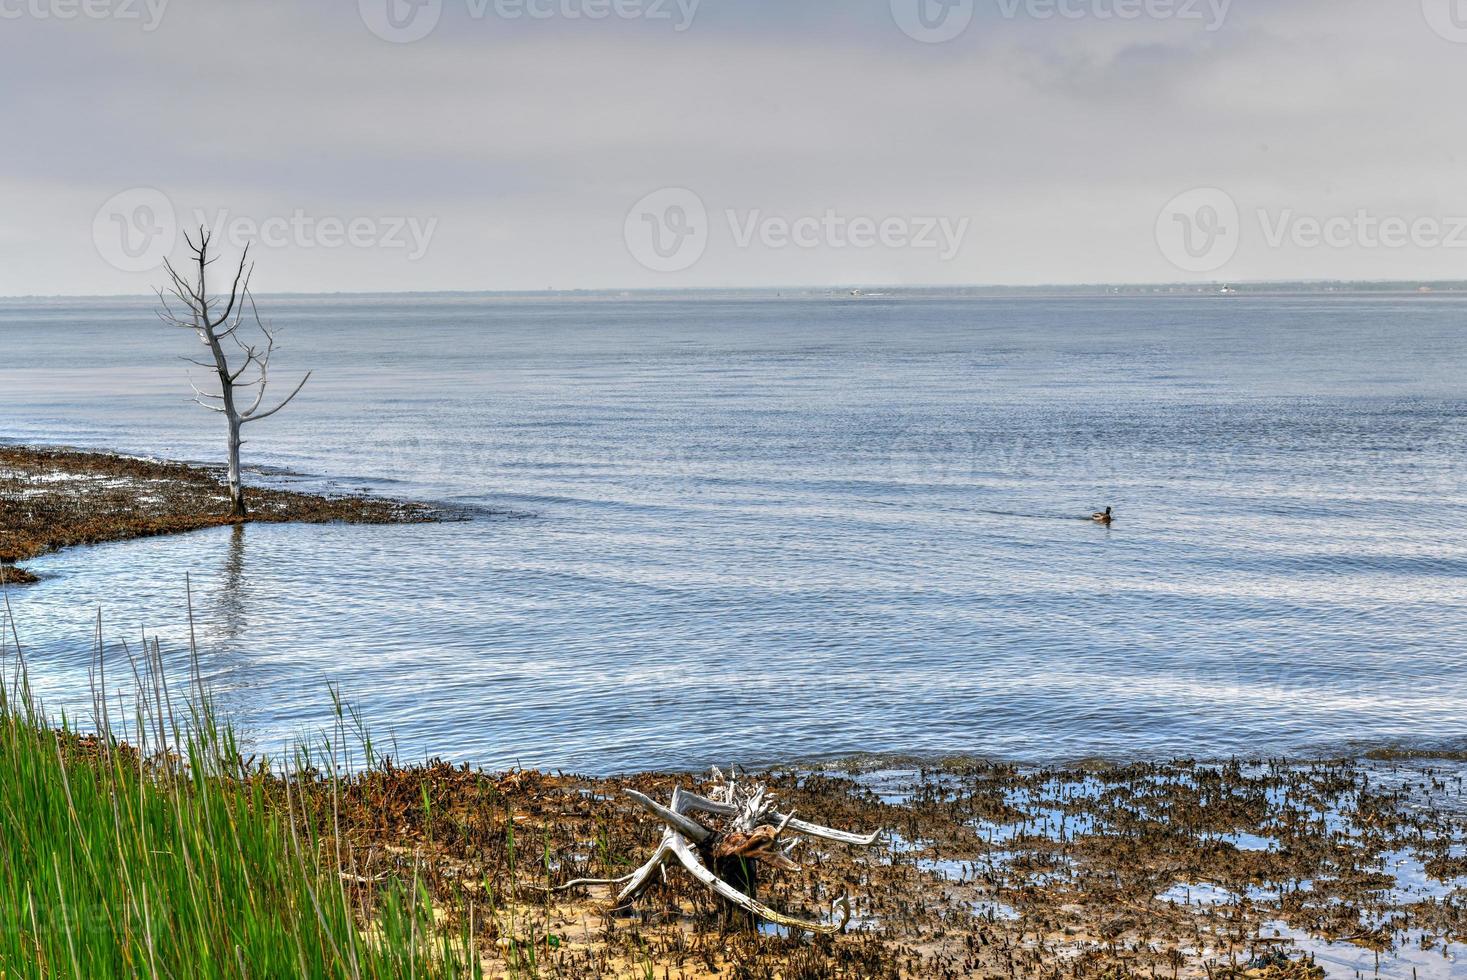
[[58, 498], [983, 870]]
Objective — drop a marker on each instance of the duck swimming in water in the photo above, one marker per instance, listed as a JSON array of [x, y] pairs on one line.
[[1102, 518]]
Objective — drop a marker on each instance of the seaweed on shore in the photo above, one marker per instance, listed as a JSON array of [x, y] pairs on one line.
[[1174, 870], [1232, 870], [58, 498]]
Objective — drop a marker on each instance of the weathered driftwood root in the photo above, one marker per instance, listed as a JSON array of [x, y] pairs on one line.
[[752, 833]]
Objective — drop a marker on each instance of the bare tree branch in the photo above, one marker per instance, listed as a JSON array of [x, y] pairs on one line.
[[288, 399]]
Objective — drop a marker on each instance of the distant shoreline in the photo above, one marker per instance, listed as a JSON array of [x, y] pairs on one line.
[[55, 498], [1424, 288]]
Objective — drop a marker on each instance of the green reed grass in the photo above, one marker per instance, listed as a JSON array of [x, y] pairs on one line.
[[159, 853]]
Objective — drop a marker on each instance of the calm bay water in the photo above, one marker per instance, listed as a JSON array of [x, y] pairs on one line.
[[757, 530]]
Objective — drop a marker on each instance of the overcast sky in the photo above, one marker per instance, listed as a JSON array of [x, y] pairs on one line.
[[733, 142]]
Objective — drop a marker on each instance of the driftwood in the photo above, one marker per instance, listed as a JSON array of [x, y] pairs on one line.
[[751, 835]]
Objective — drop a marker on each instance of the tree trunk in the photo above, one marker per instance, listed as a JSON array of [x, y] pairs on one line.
[[231, 414], [236, 488]]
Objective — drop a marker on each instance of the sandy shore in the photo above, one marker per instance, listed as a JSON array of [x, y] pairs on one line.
[[57, 498]]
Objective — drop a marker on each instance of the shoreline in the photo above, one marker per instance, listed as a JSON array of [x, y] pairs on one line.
[[1095, 868], [1266, 870], [1180, 869], [53, 498]]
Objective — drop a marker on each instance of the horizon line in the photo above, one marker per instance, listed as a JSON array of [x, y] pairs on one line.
[[851, 288]]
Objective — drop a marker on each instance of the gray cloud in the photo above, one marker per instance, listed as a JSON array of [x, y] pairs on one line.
[[527, 142]]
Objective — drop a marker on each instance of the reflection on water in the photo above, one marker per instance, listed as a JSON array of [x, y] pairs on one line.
[[754, 530], [231, 595]]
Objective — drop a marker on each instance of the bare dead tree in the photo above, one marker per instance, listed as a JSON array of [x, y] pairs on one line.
[[238, 365]]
